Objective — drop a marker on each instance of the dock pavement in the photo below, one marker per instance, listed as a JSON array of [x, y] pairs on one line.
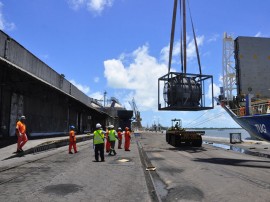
[[36, 149], [250, 147]]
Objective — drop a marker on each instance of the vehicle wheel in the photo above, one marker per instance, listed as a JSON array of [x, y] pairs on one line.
[[173, 140], [197, 143], [177, 141]]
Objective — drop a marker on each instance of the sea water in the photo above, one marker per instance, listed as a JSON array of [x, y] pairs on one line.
[[225, 133]]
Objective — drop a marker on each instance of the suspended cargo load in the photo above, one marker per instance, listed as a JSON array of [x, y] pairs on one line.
[[183, 91]]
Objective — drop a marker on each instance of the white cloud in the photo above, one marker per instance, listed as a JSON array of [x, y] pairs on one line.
[[191, 50], [96, 79], [97, 95], [140, 76], [95, 6], [259, 34], [216, 91], [84, 89], [214, 37], [98, 5], [4, 25], [76, 4]]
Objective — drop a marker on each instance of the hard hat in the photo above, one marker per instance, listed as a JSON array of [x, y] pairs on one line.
[[111, 126], [72, 127], [126, 128], [98, 125], [119, 128], [22, 117]]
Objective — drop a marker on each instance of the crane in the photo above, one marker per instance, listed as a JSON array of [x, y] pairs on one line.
[[136, 124]]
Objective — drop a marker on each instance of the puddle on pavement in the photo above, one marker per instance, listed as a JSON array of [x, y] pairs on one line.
[[238, 149], [62, 189]]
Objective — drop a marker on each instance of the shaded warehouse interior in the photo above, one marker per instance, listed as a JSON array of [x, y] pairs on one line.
[[50, 103]]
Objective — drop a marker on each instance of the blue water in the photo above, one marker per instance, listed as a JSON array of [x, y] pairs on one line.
[[225, 133]]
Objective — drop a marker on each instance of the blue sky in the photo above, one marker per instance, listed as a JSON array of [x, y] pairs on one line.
[[121, 46]]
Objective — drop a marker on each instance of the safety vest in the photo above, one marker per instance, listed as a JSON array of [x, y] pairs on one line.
[[98, 137], [112, 136]]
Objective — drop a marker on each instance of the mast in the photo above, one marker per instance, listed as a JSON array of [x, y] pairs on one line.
[[228, 66]]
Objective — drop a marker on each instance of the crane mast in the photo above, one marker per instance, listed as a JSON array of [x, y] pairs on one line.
[[136, 124]]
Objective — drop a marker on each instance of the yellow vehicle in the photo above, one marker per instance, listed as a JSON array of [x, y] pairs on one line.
[[176, 135]]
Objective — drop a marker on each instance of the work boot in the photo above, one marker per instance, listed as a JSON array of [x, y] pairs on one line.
[[70, 152], [114, 152], [16, 152]]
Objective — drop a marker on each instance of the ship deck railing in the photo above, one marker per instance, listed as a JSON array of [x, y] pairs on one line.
[[254, 109]]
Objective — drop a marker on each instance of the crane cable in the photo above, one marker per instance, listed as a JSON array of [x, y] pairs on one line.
[[183, 49], [195, 41], [197, 118], [208, 119], [172, 35]]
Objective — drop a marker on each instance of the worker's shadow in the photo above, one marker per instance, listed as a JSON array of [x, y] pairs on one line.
[[15, 155]]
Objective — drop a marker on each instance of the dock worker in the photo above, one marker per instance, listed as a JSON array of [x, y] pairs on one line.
[[112, 138], [99, 143], [108, 145], [242, 111], [127, 139], [21, 134], [72, 140], [177, 125], [120, 135]]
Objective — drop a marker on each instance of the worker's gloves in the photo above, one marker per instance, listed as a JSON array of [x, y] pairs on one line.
[[20, 134]]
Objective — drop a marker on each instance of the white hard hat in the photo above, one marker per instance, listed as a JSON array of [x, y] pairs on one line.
[[22, 117], [111, 126], [98, 125], [119, 128]]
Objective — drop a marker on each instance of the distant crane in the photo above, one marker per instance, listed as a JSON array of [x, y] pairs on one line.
[[136, 124]]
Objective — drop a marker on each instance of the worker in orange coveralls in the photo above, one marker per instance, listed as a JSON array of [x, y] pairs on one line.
[[72, 140], [120, 134], [108, 145], [127, 139], [21, 134]]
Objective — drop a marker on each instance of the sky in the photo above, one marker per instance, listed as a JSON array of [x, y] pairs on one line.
[[121, 46]]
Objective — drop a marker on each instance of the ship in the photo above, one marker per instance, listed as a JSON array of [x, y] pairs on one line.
[[245, 94]]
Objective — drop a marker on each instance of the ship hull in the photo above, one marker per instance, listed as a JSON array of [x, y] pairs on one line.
[[258, 126]]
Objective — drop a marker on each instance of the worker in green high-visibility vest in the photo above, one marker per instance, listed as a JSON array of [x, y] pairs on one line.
[[112, 138], [99, 143]]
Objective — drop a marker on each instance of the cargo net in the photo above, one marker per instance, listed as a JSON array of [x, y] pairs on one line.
[[184, 92]]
